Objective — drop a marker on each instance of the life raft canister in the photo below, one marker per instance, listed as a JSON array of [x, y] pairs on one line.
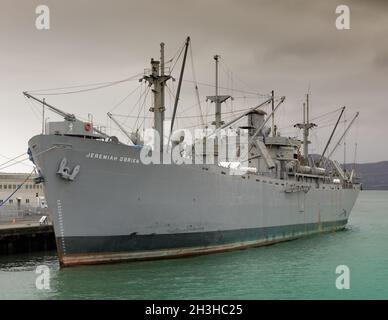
[[87, 126]]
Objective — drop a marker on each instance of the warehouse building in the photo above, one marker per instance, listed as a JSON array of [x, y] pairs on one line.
[[28, 199]]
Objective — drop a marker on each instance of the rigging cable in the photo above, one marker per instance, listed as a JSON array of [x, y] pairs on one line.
[[181, 117], [196, 85], [239, 79], [355, 148], [98, 86], [22, 163], [315, 118], [125, 98], [144, 116], [237, 90], [177, 59], [32, 107], [17, 162], [142, 93], [13, 159], [141, 107]]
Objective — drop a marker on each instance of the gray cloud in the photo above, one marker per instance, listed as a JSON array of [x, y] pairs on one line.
[[381, 59]]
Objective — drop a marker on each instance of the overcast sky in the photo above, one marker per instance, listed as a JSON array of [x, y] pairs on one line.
[[288, 46]]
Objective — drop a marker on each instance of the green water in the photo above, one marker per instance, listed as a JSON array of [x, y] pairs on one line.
[[300, 269]]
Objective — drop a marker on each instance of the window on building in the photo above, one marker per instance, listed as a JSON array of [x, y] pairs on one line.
[[27, 200], [5, 186], [14, 186], [10, 186], [37, 194], [1, 186]]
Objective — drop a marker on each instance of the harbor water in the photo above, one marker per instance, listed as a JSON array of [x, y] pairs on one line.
[[299, 269]]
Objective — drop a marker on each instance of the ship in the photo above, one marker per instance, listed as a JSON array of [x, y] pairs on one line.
[[108, 205]]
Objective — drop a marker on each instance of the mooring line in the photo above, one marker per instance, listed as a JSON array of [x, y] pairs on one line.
[[17, 189]]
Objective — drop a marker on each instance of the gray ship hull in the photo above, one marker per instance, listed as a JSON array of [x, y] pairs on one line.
[[120, 209]]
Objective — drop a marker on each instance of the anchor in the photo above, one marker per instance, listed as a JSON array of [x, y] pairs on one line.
[[64, 171]]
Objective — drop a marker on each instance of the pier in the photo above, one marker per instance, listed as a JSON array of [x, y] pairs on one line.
[[24, 236]]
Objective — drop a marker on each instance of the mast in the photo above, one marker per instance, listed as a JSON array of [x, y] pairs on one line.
[[43, 116], [306, 126], [162, 96], [217, 99], [273, 114], [344, 143], [305, 131], [158, 79], [218, 104]]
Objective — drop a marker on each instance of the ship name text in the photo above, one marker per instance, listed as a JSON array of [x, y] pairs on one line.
[[110, 157]]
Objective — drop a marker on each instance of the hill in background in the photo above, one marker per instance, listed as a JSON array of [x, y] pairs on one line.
[[374, 176]]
